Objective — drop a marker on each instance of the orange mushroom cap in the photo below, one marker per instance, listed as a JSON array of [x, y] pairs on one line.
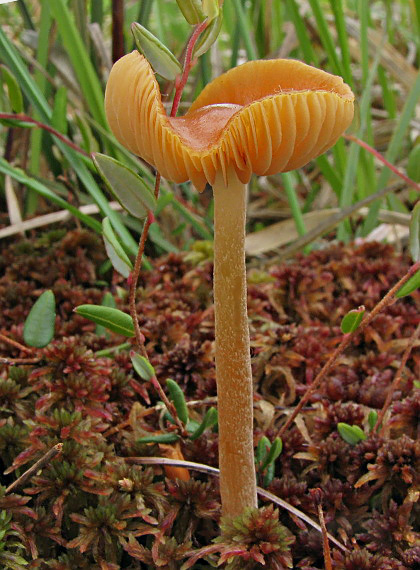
[[265, 116]]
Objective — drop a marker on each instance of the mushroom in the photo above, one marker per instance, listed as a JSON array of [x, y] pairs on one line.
[[264, 117]]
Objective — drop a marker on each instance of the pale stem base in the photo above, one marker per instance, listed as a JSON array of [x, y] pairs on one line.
[[233, 362]]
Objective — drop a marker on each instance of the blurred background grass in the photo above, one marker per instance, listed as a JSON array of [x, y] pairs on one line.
[[54, 61]]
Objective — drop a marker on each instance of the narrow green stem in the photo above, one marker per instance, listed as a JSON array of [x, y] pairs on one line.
[[233, 363]]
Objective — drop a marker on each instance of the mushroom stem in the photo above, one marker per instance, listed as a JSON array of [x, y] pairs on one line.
[[233, 362]]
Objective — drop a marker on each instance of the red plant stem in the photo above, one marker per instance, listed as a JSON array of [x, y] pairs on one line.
[[346, 340], [380, 157], [134, 276], [16, 361], [182, 81], [325, 543], [395, 382], [40, 464], [16, 344], [27, 119]]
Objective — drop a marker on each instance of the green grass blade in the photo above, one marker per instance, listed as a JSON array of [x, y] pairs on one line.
[[393, 150], [301, 32], [45, 192], [39, 102], [245, 29], [340, 25], [83, 67], [325, 35]]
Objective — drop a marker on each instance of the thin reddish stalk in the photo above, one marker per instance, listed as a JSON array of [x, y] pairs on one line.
[[27, 119], [380, 157], [396, 381], [15, 344], [40, 464], [16, 361], [346, 340], [182, 81], [134, 276], [317, 498]]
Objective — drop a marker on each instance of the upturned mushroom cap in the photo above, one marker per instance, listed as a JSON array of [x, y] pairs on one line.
[[264, 116]]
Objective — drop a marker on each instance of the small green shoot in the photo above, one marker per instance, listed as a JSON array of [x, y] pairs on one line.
[[142, 366], [176, 395], [351, 321], [351, 434], [372, 419]]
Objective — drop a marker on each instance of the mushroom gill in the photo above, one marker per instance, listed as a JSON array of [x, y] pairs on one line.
[[264, 117]]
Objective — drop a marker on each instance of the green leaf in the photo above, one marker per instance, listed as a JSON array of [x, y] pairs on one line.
[[177, 397], [413, 164], [59, 114], [415, 232], [372, 418], [159, 438], [14, 91], [262, 449], [39, 326], [351, 434], [191, 10], [209, 36], [107, 301], [157, 54], [112, 319], [275, 450], [119, 259], [352, 320], [142, 366], [409, 286], [209, 420], [211, 8], [127, 186]]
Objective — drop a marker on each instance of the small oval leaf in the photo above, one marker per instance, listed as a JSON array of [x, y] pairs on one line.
[[38, 330], [127, 186], [351, 434], [409, 286], [112, 319], [119, 259], [142, 366], [415, 232], [157, 54], [159, 438], [352, 320], [210, 419], [177, 397]]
